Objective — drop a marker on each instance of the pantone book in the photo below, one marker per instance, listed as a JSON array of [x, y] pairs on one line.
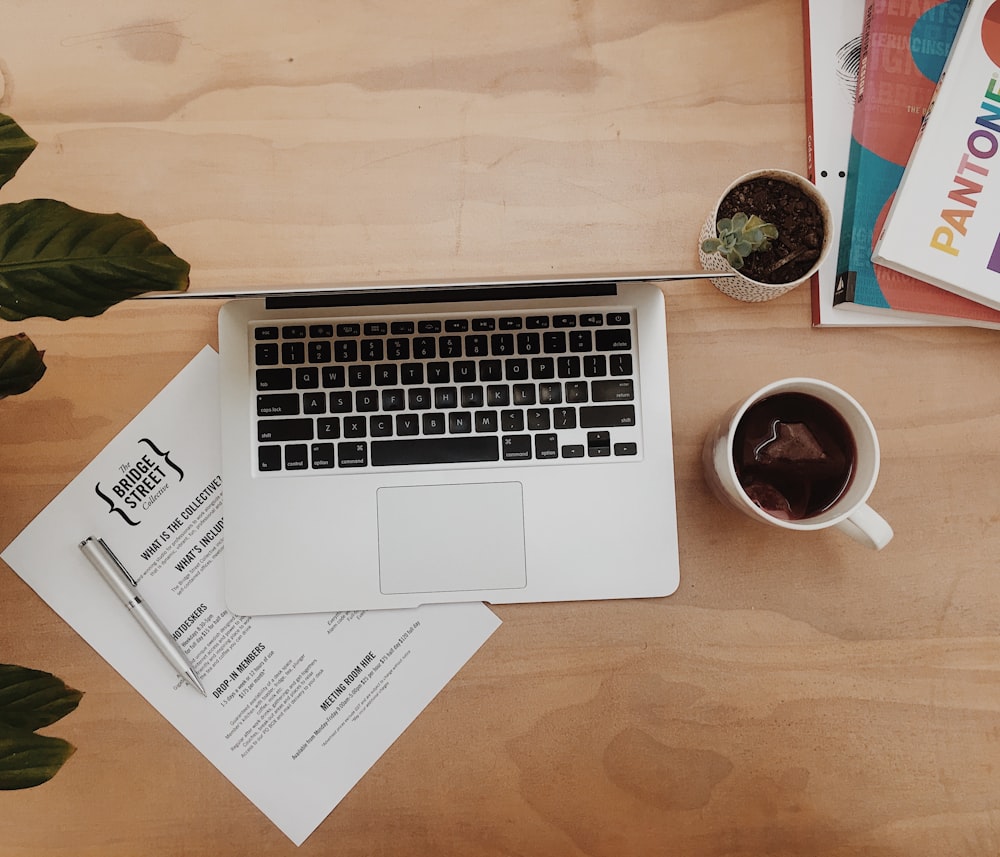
[[944, 223]]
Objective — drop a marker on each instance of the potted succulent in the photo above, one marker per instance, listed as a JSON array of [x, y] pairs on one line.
[[770, 231]]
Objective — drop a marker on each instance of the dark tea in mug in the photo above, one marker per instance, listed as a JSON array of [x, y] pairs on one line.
[[794, 455]]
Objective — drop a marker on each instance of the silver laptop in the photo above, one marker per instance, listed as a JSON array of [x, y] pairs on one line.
[[498, 442]]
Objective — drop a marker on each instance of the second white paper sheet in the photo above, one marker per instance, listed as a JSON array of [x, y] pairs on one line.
[[298, 708]]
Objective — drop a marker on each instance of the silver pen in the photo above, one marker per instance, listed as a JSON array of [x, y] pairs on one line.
[[123, 584]]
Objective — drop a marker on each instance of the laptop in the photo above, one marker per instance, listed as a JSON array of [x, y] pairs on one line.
[[440, 442]]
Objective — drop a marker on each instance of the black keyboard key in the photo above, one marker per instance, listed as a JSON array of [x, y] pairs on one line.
[[529, 343], [564, 418], [380, 426], [314, 403], [407, 424], [516, 447], [412, 373], [345, 350], [450, 347], [397, 349], [502, 344], [307, 378], [598, 444], [333, 377], [352, 453], [424, 348], [610, 416], [376, 328], [386, 375], [524, 394], [456, 325], [296, 456], [539, 419], [476, 345], [268, 458], [618, 318], [486, 421], [393, 399], [321, 331], [573, 450], [591, 319], [271, 431], [446, 397], [568, 367], [278, 405], [576, 392], [620, 364], [626, 449], [512, 420], [269, 332], [266, 353], [341, 403], [490, 370], [438, 373], [434, 450], [516, 369], [536, 322], [484, 324], [497, 395], [459, 422], [619, 339], [328, 428], [554, 342], [471, 397], [612, 391], [581, 340], [550, 394], [348, 329], [359, 376], [372, 350], [319, 352], [543, 368], [322, 456], [355, 426], [293, 352], [510, 323], [546, 447], [366, 401], [595, 366], [294, 331], [464, 371], [428, 326], [401, 328], [419, 398], [432, 423], [564, 321]]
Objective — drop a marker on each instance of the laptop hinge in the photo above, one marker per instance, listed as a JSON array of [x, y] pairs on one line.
[[438, 294]]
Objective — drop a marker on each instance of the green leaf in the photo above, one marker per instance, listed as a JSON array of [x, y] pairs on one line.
[[21, 367], [15, 146], [58, 261], [27, 759], [32, 699]]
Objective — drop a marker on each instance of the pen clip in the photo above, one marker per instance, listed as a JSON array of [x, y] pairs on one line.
[[118, 562]]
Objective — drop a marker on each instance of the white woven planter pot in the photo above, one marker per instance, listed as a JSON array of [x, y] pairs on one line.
[[743, 288]]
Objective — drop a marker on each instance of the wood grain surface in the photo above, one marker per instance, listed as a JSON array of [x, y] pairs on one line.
[[799, 694]]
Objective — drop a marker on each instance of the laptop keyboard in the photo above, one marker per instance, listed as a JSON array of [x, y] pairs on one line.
[[487, 390]]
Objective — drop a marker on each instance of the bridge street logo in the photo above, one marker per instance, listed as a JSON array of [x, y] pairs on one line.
[[140, 482]]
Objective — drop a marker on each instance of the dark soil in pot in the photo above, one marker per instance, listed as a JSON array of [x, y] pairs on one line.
[[800, 228]]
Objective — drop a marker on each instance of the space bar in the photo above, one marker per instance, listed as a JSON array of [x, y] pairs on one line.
[[435, 450]]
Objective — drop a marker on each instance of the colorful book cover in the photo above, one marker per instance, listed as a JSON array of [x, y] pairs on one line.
[[944, 223], [832, 41], [904, 49]]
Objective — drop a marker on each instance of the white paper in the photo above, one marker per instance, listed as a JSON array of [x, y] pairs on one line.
[[298, 707]]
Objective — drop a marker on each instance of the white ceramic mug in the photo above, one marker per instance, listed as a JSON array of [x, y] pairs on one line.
[[850, 512]]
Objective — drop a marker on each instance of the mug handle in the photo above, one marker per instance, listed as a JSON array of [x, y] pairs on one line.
[[867, 526]]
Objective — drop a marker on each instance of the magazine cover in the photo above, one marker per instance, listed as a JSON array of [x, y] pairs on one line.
[[832, 40], [904, 50], [944, 223]]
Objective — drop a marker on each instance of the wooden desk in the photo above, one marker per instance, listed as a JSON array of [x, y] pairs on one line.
[[798, 695]]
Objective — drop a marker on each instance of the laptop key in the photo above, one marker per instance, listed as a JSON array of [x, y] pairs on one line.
[[274, 379], [516, 447], [607, 416], [435, 450], [284, 429], [613, 391], [278, 405], [268, 458], [352, 453]]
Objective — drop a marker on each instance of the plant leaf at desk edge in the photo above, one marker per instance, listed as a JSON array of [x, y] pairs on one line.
[[32, 699], [61, 262], [15, 147], [21, 365], [28, 760]]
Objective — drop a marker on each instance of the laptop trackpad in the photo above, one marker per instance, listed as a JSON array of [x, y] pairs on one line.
[[451, 538]]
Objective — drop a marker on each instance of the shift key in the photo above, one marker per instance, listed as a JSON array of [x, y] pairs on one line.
[[607, 416]]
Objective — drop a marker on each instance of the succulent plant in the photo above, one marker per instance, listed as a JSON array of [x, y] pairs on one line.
[[739, 236]]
